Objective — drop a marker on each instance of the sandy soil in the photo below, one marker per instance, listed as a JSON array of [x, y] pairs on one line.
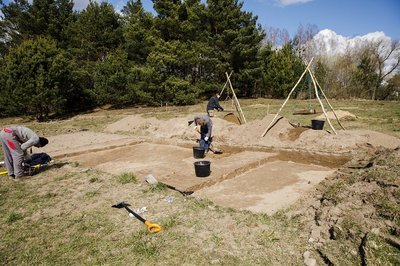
[[268, 188], [255, 174], [342, 115], [281, 135]]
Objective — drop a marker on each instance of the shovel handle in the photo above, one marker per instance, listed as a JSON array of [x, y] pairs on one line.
[[154, 228]]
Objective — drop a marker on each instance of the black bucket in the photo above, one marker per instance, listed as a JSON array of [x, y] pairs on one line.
[[317, 124], [202, 168], [199, 152]]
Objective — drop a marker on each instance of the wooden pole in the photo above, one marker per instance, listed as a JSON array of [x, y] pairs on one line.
[[236, 100], [290, 93], [226, 83], [320, 102], [337, 118]]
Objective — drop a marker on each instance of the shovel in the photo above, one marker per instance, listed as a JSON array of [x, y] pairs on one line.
[[153, 181], [215, 150], [212, 148], [154, 228]]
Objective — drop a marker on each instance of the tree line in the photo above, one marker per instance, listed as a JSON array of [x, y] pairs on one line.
[[55, 60]]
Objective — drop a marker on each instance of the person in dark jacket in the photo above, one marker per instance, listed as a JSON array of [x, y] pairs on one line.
[[205, 124], [213, 104], [16, 141]]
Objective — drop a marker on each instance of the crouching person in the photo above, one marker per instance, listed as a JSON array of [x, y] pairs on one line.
[[205, 124], [16, 141]]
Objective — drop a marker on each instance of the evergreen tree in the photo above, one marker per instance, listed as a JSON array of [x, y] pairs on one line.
[[41, 18], [37, 80], [365, 76], [138, 31], [96, 32], [14, 24], [236, 41], [285, 68]]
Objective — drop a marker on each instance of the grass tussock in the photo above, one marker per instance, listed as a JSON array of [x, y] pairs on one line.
[[126, 178]]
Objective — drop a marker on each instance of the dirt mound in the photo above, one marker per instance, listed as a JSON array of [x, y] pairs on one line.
[[165, 129], [342, 115], [345, 140], [281, 135], [360, 202]]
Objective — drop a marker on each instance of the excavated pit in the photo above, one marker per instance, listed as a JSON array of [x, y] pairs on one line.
[[259, 180]]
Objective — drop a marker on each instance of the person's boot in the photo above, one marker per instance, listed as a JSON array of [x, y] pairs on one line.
[[20, 178]]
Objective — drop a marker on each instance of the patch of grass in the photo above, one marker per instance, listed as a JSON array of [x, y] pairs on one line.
[[201, 203], [351, 229], [267, 238], [378, 252], [333, 192], [144, 244], [159, 187], [91, 194], [93, 179], [254, 219], [217, 240], [169, 222], [352, 179], [4, 189], [50, 195], [126, 178], [20, 194], [64, 176], [13, 217], [389, 210]]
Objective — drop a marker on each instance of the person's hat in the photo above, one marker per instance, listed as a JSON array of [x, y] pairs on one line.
[[43, 141]]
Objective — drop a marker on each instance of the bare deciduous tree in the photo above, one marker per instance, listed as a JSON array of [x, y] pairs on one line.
[[276, 37], [301, 40], [387, 60]]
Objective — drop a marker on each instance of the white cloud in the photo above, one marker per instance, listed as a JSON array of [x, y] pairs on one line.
[[291, 2], [330, 45]]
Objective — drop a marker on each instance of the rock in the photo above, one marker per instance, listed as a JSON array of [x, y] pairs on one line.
[[316, 233], [310, 262], [307, 260]]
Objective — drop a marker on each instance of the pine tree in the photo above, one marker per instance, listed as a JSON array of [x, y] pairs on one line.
[[236, 41]]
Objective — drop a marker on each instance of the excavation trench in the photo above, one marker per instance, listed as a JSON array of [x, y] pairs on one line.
[[255, 179]]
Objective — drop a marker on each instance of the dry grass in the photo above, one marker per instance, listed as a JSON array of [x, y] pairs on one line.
[[64, 215]]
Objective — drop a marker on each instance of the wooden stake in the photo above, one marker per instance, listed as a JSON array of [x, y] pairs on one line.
[[226, 83], [320, 102], [240, 111], [337, 118], [290, 93]]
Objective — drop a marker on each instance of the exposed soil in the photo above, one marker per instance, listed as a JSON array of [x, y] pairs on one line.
[[281, 135], [261, 174], [360, 201], [341, 115]]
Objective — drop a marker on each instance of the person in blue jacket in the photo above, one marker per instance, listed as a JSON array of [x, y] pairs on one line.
[[213, 103]]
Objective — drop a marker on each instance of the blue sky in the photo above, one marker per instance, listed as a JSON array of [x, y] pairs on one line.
[[345, 17]]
